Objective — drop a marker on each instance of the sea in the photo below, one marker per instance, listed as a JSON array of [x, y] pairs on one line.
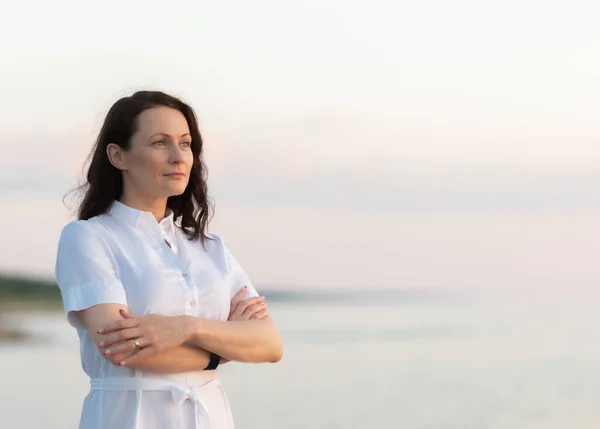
[[381, 359]]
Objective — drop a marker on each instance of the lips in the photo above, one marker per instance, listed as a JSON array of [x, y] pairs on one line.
[[175, 174]]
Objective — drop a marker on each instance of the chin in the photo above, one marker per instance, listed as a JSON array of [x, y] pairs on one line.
[[173, 189], [175, 192], [180, 190]]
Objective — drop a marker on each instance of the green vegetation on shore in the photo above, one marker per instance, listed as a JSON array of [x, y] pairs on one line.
[[15, 290], [24, 294]]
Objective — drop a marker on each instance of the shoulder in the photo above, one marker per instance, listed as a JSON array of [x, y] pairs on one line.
[[215, 238], [75, 229], [78, 231], [214, 243]]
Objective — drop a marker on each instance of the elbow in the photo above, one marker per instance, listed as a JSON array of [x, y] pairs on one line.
[[276, 353], [276, 357], [276, 350]]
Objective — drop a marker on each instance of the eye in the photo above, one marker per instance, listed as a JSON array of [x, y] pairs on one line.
[[160, 143], [186, 144]]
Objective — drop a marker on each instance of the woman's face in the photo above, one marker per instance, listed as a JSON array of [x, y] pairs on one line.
[[158, 163]]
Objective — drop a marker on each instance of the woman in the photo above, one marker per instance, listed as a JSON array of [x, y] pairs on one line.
[[158, 303]]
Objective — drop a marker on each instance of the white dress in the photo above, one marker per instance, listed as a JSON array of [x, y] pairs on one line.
[[121, 257]]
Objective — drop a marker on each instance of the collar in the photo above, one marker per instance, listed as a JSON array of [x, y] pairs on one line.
[[135, 218]]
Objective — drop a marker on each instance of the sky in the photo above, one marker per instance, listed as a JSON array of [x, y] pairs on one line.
[[349, 144]]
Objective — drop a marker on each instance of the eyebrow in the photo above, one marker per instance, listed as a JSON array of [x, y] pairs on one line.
[[168, 135]]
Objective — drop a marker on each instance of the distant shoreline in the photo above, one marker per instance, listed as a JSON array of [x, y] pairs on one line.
[[9, 333], [19, 289], [14, 306], [25, 294], [20, 294]]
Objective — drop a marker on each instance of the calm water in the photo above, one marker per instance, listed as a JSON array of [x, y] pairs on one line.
[[392, 360]]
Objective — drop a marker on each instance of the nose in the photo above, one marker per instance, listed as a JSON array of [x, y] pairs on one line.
[[176, 155]]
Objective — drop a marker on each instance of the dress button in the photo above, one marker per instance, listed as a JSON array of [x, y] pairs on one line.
[[184, 274]]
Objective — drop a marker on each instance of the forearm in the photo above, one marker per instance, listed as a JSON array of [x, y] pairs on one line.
[[244, 341], [184, 358]]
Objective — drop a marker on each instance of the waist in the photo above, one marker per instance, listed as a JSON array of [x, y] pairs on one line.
[[179, 391]]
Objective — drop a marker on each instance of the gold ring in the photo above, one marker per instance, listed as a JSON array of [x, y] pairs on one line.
[[137, 344]]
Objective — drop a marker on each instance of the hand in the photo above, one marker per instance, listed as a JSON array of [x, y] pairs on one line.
[[154, 333], [117, 358], [254, 308]]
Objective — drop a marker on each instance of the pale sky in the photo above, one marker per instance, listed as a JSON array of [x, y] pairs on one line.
[[428, 143]]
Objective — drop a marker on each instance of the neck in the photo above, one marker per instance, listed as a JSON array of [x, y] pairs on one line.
[[157, 207]]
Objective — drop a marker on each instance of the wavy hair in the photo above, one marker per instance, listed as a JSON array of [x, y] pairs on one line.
[[104, 182]]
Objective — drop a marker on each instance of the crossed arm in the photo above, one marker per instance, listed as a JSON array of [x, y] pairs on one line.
[[183, 343]]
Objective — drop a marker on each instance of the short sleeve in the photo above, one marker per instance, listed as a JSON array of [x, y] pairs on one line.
[[238, 278], [85, 271]]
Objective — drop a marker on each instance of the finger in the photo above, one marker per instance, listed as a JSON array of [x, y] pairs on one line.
[[124, 346], [254, 309], [247, 303], [117, 359], [239, 296], [126, 314], [146, 351], [118, 325], [236, 300], [260, 315], [119, 336], [242, 306]]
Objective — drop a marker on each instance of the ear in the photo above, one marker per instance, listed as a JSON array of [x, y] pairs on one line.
[[116, 156]]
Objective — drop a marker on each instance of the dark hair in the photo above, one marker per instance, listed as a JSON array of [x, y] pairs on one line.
[[104, 182]]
